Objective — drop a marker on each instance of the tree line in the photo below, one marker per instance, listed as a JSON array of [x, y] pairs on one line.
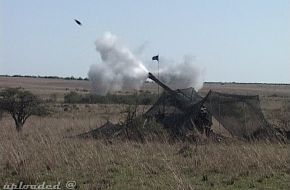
[[47, 77]]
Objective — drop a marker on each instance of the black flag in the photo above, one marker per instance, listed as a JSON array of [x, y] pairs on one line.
[[156, 57]]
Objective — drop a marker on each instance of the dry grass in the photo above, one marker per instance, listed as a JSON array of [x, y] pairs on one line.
[[44, 153]]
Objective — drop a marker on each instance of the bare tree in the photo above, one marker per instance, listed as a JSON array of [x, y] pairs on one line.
[[21, 105]]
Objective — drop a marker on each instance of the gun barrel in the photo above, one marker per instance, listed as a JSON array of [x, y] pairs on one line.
[[182, 102], [152, 77]]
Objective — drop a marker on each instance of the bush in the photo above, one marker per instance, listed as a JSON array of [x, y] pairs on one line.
[[21, 105], [72, 97]]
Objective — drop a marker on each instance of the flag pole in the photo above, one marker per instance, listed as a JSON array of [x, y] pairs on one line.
[[156, 57], [158, 75]]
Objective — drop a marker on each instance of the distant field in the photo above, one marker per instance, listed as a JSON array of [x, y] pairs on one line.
[[282, 90], [45, 87]]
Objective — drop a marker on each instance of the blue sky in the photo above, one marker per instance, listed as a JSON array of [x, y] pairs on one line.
[[241, 40]]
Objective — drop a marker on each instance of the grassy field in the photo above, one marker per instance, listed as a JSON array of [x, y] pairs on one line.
[[44, 150]]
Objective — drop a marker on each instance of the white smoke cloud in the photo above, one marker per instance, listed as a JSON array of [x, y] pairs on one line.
[[119, 69], [183, 74]]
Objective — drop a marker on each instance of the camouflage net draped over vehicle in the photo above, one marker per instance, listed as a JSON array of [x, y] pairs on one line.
[[241, 115], [185, 115], [178, 112], [180, 116]]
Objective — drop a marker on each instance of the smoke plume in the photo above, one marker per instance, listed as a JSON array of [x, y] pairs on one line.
[[119, 69], [183, 74]]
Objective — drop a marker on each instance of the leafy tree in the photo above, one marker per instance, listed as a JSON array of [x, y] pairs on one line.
[[21, 105]]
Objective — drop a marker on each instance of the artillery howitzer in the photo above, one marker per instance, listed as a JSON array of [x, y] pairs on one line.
[[191, 114], [183, 111], [184, 102], [169, 90]]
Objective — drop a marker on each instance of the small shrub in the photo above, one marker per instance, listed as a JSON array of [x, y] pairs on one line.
[[72, 97]]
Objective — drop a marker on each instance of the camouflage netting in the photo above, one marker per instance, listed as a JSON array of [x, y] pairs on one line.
[[178, 112], [241, 115], [185, 115]]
